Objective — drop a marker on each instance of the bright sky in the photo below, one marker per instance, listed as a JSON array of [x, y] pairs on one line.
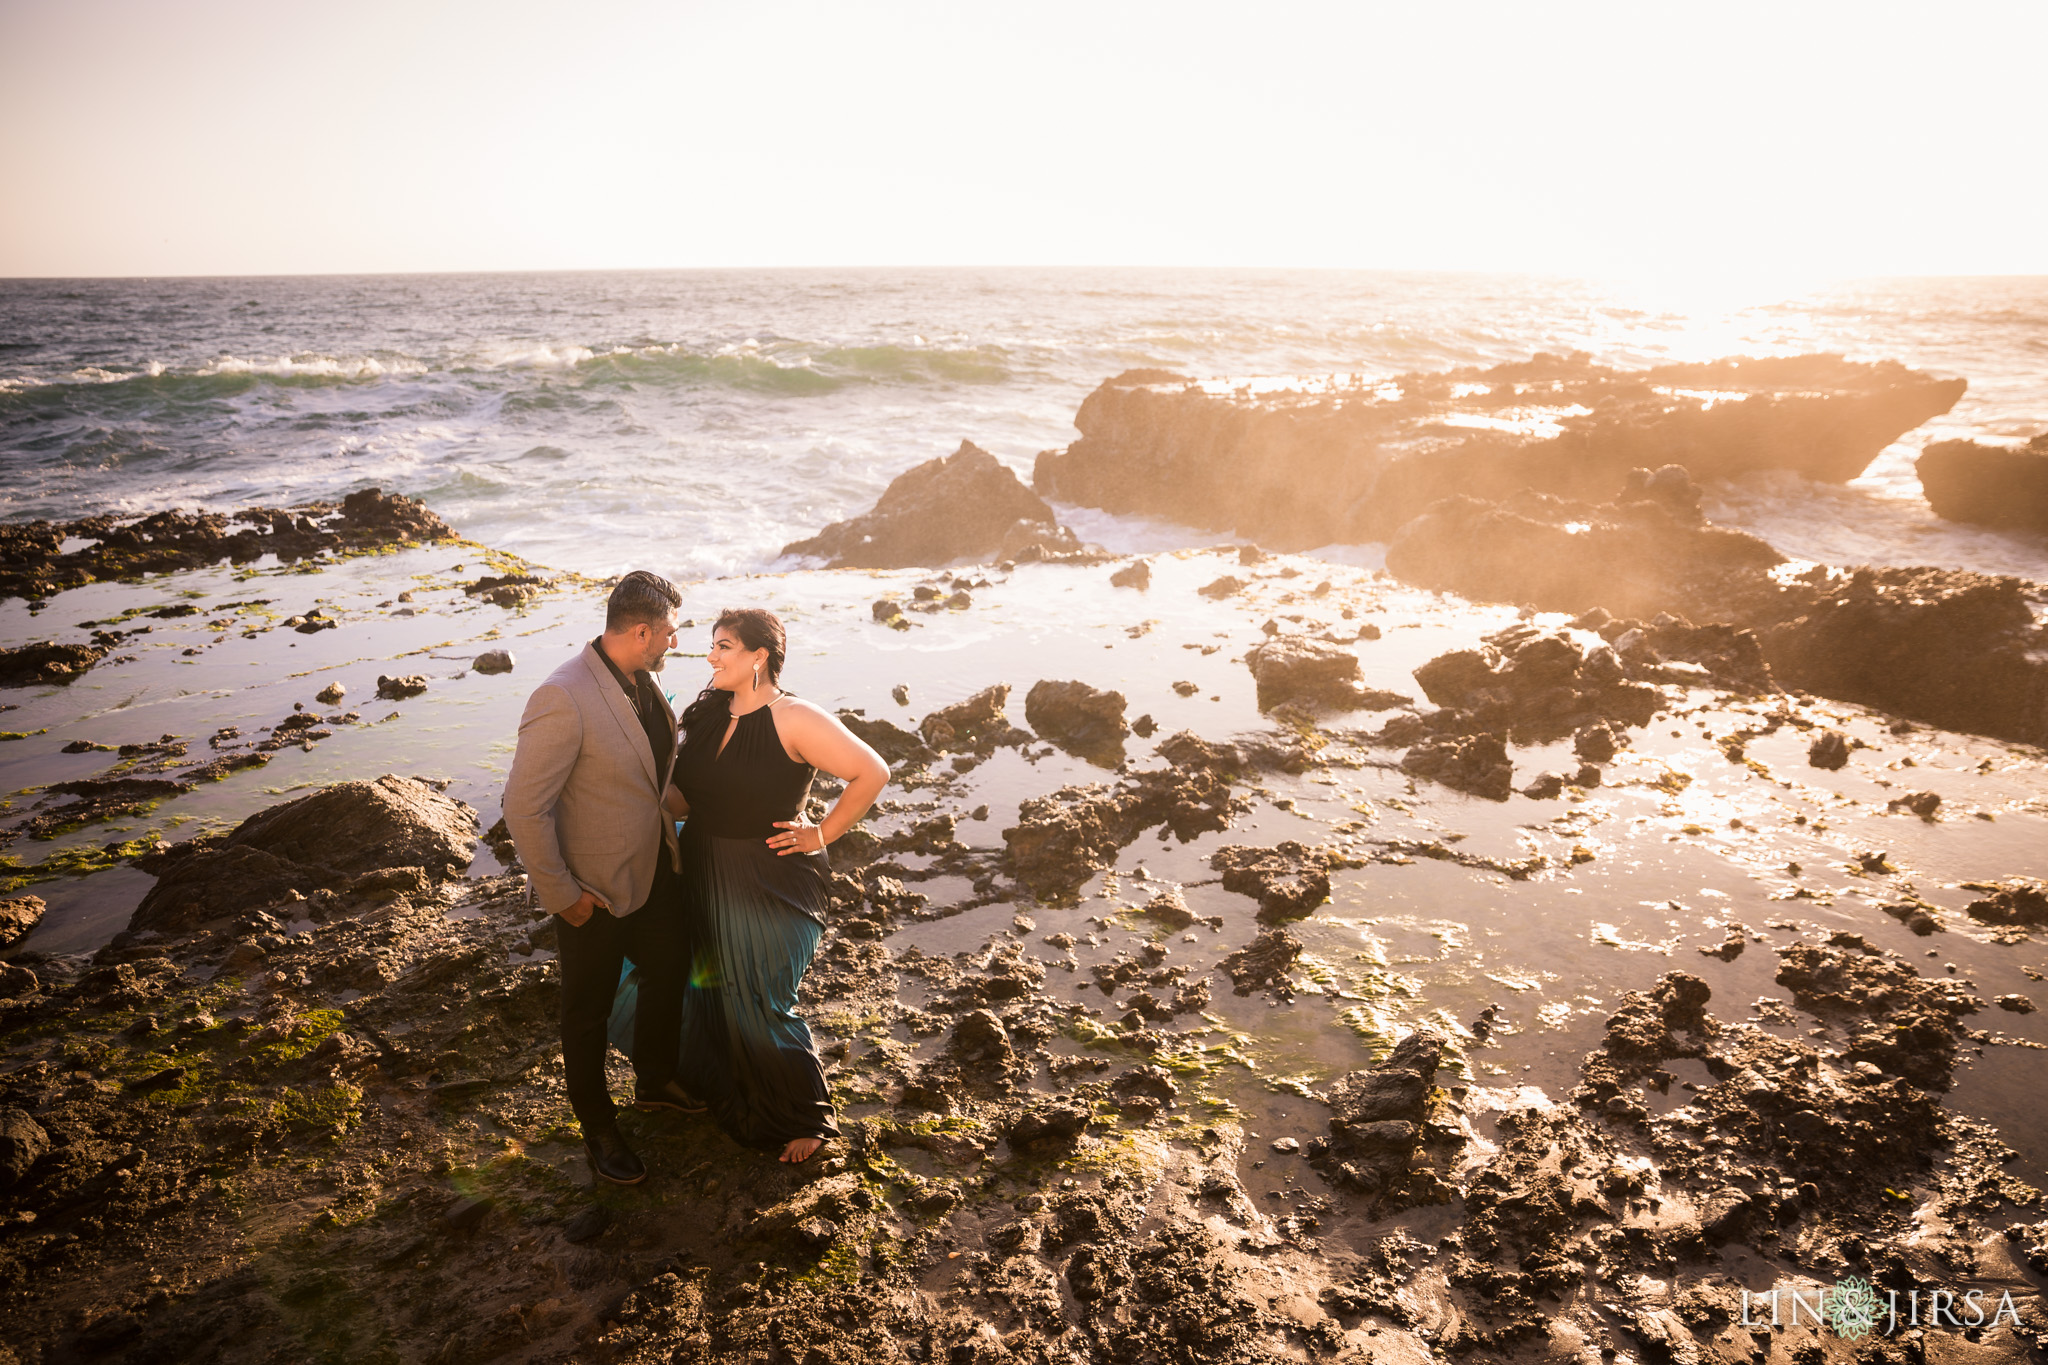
[[1645, 138]]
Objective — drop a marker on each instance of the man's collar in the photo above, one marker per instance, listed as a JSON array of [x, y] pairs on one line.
[[625, 683]]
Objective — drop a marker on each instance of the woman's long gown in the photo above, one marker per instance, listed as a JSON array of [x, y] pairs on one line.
[[759, 917]]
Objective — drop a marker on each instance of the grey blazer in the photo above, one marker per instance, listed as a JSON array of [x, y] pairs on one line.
[[583, 800]]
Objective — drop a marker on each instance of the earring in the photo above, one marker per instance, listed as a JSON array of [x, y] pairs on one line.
[[757, 677]]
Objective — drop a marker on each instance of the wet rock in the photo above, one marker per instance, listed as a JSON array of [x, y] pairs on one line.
[[18, 915], [1062, 839], [1901, 1022], [1288, 880], [1668, 486], [980, 1037], [1829, 750], [895, 744], [2015, 1004], [466, 1213], [1478, 764], [101, 798], [1922, 804], [1047, 1123], [832, 1198], [1080, 719], [2017, 900], [16, 982], [398, 689], [1537, 685], [1136, 574], [331, 694], [1293, 668], [587, 1225], [964, 505], [1227, 586], [1311, 466], [1376, 1116], [30, 565], [1147, 1082], [494, 661], [47, 662], [1988, 485], [1891, 638], [22, 1143], [1168, 909], [1264, 962], [976, 725], [323, 841], [1596, 743], [507, 590], [1546, 787]]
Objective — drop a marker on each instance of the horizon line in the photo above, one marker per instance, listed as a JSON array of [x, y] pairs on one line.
[[1545, 274]]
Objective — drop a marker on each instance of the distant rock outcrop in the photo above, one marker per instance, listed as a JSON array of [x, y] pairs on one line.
[[966, 505], [1319, 463], [1988, 485], [34, 563]]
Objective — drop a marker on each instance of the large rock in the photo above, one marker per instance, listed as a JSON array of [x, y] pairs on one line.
[[976, 725], [1952, 648], [1288, 880], [894, 743], [1478, 764], [1377, 1116], [22, 1144], [1989, 485], [1063, 838], [18, 915], [46, 661], [1293, 668], [1306, 466], [1080, 719], [341, 837], [967, 505]]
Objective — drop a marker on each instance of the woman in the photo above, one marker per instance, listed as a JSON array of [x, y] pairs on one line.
[[757, 881]]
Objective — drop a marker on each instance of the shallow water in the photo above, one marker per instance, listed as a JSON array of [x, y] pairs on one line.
[[1396, 944]]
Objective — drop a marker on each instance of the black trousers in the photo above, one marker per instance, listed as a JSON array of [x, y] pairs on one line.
[[657, 938]]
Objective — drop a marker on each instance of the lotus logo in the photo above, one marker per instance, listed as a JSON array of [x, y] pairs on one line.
[[1853, 1308]]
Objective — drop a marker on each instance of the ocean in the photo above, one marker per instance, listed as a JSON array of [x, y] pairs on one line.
[[696, 421]]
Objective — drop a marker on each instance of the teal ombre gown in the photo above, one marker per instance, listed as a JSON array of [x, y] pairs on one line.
[[759, 918]]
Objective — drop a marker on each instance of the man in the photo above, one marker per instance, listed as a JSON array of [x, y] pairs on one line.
[[583, 802]]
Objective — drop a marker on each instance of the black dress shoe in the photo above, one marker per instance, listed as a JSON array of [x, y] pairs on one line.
[[610, 1157], [667, 1095]]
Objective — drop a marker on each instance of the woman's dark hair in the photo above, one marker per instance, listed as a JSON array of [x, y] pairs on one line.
[[756, 628]]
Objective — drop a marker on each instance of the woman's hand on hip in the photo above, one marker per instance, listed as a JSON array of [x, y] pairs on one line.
[[796, 837]]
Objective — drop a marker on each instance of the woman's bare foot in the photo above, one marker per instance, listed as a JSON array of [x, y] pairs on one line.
[[801, 1149]]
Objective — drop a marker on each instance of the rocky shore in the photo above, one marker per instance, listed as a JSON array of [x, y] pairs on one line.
[[1295, 464], [1254, 959]]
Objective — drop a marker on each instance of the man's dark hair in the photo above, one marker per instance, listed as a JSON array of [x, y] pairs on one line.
[[641, 598]]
